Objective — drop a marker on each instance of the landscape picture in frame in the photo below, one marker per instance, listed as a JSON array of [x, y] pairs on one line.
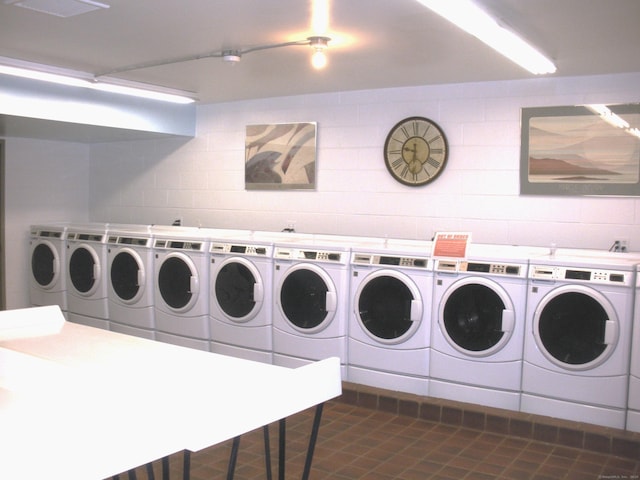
[[280, 156], [581, 150]]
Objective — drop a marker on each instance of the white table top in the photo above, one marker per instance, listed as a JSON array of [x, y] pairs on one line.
[[82, 403]]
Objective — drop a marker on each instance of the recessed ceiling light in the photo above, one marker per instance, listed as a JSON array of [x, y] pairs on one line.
[[59, 8]]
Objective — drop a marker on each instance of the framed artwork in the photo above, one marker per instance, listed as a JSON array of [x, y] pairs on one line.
[[580, 150], [280, 156]]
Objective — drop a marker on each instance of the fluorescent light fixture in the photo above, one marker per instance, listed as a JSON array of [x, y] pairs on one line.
[[466, 15], [72, 78]]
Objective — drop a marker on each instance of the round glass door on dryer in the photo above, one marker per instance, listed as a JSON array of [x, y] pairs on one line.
[[130, 263], [47, 282], [388, 344], [240, 305], [478, 330], [577, 346], [309, 315], [87, 294], [181, 267]]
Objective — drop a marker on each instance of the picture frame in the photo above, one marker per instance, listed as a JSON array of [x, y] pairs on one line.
[[280, 156], [580, 150]]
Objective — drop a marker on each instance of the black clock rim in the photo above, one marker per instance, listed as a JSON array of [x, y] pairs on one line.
[[444, 161]]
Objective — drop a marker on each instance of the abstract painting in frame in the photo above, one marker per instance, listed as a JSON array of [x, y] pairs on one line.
[[580, 150], [280, 156]]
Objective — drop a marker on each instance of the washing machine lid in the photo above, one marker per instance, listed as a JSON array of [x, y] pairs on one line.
[[307, 298], [127, 275], [178, 282], [84, 269], [476, 316], [45, 264], [238, 289], [388, 306], [576, 327]]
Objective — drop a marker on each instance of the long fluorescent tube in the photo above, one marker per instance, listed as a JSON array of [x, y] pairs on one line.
[[466, 15], [73, 78]]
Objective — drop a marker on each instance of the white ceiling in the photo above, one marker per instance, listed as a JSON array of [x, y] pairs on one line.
[[375, 43]]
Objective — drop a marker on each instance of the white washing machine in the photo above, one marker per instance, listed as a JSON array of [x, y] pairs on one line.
[[310, 297], [240, 306], [389, 327], [131, 280], [578, 338], [48, 254], [478, 324], [633, 407], [87, 297], [181, 296]]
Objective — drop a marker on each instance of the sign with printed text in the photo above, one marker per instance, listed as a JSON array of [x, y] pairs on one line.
[[451, 244]]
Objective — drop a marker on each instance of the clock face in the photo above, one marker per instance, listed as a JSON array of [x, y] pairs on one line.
[[415, 151]]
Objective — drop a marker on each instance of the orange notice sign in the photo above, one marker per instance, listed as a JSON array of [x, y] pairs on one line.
[[451, 245]]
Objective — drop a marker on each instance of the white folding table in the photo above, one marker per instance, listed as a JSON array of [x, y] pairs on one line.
[[83, 403]]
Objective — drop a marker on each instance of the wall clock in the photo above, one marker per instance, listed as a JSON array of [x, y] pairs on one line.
[[415, 151]]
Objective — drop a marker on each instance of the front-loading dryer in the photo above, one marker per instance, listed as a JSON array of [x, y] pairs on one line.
[[633, 406], [310, 297], [240, 305], [181, 299], [48, 253], [578, 338], [131, 280], [478, 324], [87, 292], [389, 325]]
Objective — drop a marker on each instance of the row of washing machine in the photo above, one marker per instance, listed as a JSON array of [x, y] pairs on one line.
[[511, 327]]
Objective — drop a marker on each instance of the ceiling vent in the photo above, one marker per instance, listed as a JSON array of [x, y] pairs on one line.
[[59, 8]]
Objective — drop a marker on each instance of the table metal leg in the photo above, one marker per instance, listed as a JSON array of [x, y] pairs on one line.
[[186, 465], [312, 441], [281, 447], [233, 458], [267, 451], [165, 468]]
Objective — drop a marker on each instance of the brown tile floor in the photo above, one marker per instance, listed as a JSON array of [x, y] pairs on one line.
[[361, 443]]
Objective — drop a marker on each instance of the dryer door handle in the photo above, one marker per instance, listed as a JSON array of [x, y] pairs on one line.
[[610, 332], [56, 266], [96, 271], [258, 292], [140, 277], [331, 302], [194, 285], [508, 320], [416, 310]]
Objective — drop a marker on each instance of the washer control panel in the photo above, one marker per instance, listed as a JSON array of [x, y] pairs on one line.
[[325, 256], [241, 249], [170, 244], [611, 277], [507, 269], [422, 263]]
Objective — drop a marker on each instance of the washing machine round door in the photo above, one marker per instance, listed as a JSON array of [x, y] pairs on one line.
[[388, 306], [575, 327], [178, 282], [84, 270], [476, 316], [238, 289], [127, 276], [45, 264], [307, 298]]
